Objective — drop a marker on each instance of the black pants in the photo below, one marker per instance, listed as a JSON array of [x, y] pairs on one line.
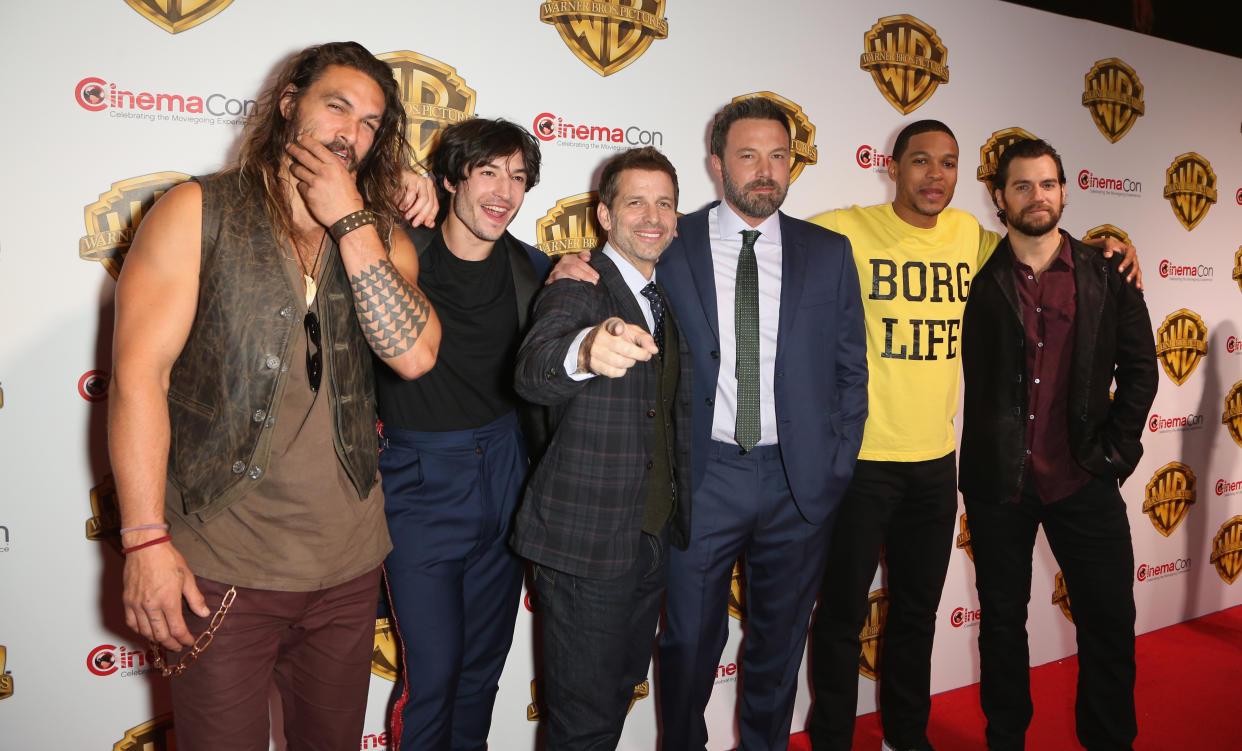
[[1089, 534], [909, 510]]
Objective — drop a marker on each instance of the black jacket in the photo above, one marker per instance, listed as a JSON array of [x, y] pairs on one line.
[[1112, 340]]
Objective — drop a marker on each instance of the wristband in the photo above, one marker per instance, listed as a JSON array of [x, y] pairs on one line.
[[351, 222], [147, 544], [144, 526]]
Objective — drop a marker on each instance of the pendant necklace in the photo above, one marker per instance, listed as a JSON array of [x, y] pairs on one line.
[[311, 287]]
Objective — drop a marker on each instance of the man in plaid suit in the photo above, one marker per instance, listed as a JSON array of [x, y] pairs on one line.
[[612, 492]]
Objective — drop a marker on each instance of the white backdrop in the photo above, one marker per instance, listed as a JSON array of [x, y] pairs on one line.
[[83, 150]]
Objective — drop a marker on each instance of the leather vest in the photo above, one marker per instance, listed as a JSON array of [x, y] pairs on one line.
[[225, 389]]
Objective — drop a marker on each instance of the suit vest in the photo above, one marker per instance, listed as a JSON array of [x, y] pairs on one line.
[[662, 492], [225, 387]]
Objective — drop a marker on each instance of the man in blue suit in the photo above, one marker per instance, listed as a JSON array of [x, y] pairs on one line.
[[771, 309], [771, 463]]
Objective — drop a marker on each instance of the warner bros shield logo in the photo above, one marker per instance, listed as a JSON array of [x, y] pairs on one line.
[[1113, 94], [906, 59], [533, 712], [1060, 597], [1106, 231], [570, 226], [1181, 343], [1227, 550], [963, 537], [433, 95], [176, 16], [607, 36], [385, 653], [105, 522], [112, 220], [1190, 186], [1232, 416], [803, 132], [1237, 267], [156, 734], [872, 635], [6, 678], [1169, 495], [991, 150]]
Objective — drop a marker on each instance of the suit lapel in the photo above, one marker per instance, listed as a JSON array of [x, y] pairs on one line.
[[620, 292], [1000, 266], [1090, 270], [525, 285], [793, 274], [698, 252]]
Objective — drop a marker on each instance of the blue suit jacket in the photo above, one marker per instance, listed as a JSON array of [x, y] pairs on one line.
[[821, 354]]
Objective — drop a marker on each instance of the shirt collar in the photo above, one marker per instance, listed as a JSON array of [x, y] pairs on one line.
[[731, 225], [634, 278], [1066, 254]]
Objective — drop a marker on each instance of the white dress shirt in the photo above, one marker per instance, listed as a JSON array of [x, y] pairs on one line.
[[724, 229]]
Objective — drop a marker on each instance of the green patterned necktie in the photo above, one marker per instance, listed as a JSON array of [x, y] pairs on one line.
[[746, 330]]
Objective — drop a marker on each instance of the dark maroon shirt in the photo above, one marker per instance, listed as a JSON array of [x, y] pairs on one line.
[[1048, 310]]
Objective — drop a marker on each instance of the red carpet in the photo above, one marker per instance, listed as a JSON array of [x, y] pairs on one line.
[[1189, 683]]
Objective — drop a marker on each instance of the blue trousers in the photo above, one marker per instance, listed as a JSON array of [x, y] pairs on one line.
[[743, 507], [452, 580]]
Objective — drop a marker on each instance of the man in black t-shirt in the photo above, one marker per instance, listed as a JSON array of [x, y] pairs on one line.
[[457, 440]]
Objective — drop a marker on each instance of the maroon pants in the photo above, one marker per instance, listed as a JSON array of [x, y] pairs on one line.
[[315, 647]]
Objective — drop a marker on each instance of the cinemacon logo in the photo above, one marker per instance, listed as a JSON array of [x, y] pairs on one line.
[[1233, 345], [1158, 424], [964, 617], [549, 127], [1225, 487], [111, 659], [96, 95], [1199, 273], [869, 158], [1149, 571], [1239, 196], [1087, 180]]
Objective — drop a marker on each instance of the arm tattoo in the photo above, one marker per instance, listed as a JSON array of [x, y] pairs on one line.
[[393, 312]]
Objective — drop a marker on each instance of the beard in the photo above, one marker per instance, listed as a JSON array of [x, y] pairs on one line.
[[756, 206], [295, 125], [1036, 227]]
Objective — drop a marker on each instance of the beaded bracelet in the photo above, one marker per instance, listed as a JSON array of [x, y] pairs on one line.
[[351, 222]]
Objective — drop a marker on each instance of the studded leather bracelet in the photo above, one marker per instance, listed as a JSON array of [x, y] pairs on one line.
[[351, 222]]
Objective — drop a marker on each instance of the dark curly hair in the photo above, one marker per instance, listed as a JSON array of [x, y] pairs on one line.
[[475, 142]]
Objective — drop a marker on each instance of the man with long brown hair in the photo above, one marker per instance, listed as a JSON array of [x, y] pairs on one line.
[[242, 423]]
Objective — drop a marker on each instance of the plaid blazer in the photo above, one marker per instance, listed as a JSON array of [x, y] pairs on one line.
[[583, 509]]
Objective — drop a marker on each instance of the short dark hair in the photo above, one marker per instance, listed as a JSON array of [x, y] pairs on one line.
[[918, 128], [1027, 148], [750, 108], [475, 142], [645, 158]]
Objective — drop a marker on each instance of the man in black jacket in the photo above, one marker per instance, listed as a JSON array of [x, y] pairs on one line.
[[1049, 326], [456, 443]]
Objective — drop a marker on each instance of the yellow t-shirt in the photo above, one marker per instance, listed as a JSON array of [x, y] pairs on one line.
[[914, 285]]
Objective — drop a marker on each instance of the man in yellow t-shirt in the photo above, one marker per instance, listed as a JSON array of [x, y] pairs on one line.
[[915, 258]]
